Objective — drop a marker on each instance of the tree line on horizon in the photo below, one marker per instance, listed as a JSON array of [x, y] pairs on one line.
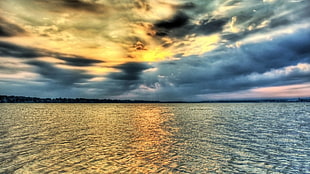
[[24, 99]]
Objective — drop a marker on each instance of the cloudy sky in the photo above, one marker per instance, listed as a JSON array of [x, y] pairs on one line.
[[155, 49]]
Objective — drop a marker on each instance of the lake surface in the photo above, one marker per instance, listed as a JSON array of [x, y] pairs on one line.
[[155, 138]]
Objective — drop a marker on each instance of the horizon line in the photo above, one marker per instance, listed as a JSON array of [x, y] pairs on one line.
[[29, 99]]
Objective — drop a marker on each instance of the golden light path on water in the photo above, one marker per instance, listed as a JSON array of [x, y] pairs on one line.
[[99, 138], [155, 138]]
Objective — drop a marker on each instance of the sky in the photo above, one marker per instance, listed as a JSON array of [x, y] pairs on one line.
[[155, 49]]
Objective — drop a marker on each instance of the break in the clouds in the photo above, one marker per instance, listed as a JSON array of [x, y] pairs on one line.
[[155, 50]]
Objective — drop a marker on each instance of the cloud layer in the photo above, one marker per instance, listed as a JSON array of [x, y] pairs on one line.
[[154, 50]]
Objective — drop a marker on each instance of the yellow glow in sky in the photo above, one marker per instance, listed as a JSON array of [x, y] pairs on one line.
[[121, 48]]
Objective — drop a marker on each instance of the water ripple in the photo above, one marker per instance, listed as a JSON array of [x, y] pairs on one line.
[[155, 138]]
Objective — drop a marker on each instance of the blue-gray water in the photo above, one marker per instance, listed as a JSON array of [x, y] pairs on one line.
[[155, 138]]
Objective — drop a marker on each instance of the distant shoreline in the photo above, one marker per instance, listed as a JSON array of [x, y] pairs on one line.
[[24, 99]]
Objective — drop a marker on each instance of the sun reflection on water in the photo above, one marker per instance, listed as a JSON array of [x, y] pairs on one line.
[[152, 142], [154, 138]]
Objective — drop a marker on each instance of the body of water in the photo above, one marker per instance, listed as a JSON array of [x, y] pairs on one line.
[[155, 138]]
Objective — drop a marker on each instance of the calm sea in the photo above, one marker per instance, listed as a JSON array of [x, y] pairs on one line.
[[155, 138]]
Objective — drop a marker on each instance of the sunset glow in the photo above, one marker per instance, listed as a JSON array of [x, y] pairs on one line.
[[153, 49]]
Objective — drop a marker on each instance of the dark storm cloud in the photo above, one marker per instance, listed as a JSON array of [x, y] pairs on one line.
[[12, 50], [129, 71], [8, 29], [283, 52], [118, 83], [53, 79], [250, 18], [180, 25], [205, 27], [299, 43], [66, 77], [74, 60], [178, 20], [278, 62]]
